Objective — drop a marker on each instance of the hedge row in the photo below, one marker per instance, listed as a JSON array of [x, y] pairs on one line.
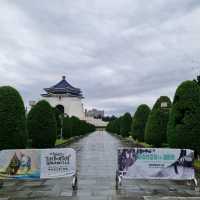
[[184, 121], [174, 124], [13, 132], [121, 125], [139, 122], [156, 126], [41, 127], [73, 126]]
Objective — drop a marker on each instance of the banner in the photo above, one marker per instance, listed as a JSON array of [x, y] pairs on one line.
[[37, 163], [155, 163], [57, 163]]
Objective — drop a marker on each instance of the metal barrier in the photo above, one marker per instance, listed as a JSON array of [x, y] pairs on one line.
[[75, 182]]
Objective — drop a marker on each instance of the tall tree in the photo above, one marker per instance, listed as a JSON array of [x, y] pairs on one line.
[[42, 125], [184, 121], [67, 127], [114, 126], [125, 124], [13, 132], [75, 123], [139, 122], [156, 127]]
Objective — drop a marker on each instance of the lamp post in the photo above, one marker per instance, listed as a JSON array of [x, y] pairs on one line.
[[61, 128]]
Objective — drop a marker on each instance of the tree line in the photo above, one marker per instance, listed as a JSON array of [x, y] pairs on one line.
[[169, 124], [39, 128]]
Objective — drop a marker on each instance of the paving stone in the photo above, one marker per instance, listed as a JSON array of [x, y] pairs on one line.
[[170, 198], [66, 194]]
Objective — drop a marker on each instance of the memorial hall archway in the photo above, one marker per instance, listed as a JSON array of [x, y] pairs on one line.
[[61, 108]]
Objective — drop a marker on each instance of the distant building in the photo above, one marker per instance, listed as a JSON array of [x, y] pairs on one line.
[[66, 98], [32, 103], [98, 114]]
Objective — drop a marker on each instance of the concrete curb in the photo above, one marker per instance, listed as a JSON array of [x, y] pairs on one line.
[[71, 140]]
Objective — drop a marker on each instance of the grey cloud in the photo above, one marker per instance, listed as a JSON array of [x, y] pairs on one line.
[[120, 53]]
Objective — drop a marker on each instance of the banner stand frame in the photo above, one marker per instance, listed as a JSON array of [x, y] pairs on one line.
[[196, 185], [75, 182], [118, 181]]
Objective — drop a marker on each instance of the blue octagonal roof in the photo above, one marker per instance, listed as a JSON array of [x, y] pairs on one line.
[[63, 87]]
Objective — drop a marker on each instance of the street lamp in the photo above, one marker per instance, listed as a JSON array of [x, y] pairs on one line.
[[61, 128]]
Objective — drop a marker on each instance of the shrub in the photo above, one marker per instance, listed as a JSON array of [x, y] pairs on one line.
[[125, 124], [74, 127], [13, 133], [67, 127], [114, 126], [109, 127], [156, 127], [139, 122], [75, 124], [184, 121], [42, 125], [86, 127], [108, 119]]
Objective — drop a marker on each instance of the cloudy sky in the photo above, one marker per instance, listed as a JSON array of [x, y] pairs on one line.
[[121, 53]]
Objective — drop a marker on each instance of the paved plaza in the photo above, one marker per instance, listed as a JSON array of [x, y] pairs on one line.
[[97, 162]]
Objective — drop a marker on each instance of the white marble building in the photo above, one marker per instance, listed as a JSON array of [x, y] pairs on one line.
[[66, 98]]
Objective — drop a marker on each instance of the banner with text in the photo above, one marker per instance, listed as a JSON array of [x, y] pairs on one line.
[[155, 163], [37, 163]]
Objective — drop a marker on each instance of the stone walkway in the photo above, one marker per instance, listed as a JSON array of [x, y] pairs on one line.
[[96, 161]]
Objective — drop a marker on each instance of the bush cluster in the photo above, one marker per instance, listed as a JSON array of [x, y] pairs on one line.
[[174, 125], [146, 125], [156, 127], [73, 126], [139, 122], [184, 121], [38, 129], [121, 125], [13, 132], [42, 127]]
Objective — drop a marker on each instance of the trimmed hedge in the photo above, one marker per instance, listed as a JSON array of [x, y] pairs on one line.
[[73, 126], [67, 128], [156, 127], [125, 124], [42, 125], [13, 134], [121, 125], [114, 126], [184, 121], [139, 122]]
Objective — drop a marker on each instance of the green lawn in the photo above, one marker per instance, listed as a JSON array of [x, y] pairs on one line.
[[197, 164], [60, 141], [145, 145]]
